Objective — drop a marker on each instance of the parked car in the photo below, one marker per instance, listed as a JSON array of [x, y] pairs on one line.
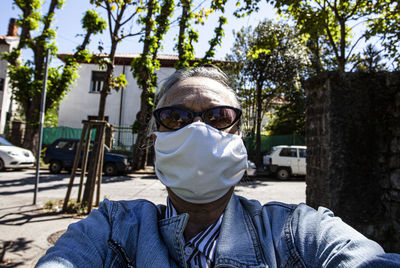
[[285, 161], [251, 168], [14, 157], [61, 154]]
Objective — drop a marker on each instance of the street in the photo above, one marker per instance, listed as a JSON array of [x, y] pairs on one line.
[[31, 228]]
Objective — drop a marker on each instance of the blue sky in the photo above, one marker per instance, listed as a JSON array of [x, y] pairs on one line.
[[68, 26]]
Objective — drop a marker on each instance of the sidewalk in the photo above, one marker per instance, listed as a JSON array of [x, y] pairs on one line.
[[33, 229]]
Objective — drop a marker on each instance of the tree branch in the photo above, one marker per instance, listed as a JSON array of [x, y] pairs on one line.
[[353, 46], [48, 18], [354, 10], [129, 18], [110, 18]]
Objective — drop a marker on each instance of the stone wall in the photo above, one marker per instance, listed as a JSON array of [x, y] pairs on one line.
[[353, 151]]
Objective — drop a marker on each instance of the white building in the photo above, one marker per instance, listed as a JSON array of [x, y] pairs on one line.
[[82, 100], [7, 106]]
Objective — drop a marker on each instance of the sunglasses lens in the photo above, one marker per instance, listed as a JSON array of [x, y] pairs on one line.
[[220, 117], [174, 118]]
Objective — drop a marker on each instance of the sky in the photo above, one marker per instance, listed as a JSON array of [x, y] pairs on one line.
[[68, 25]]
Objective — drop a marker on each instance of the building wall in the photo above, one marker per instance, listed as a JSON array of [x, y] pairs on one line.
[[79, 103], [6, 92], [353, 151]]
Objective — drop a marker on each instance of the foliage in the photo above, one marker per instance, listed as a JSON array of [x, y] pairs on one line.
[[289, 118], [326, 23], [370, 61], [156, 24], [26, 77], [269, 60], [51, 117], [144, 67], [386, 24], [188, 35]]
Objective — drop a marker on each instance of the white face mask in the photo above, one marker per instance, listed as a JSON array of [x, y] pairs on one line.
[[198, 162]]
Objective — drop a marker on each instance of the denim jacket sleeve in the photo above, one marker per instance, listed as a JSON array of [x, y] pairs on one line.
[[326, 241], [92, 233]]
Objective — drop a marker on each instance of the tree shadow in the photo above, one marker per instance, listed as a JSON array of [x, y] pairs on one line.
[[63, 180], [149, 177], [251, 183], [31, 216], [16, 245], [111, 179]]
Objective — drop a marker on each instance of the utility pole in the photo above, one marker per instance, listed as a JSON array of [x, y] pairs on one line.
[[41, 120]]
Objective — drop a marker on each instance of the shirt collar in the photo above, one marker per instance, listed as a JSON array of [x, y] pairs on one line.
[[203, 241]]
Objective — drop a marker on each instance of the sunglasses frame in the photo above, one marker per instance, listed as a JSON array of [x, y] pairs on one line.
[[156, 114]]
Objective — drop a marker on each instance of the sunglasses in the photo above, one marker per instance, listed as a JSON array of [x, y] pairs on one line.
[[219, 117]]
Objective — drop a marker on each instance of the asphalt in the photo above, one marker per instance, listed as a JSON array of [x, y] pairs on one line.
[[27, 231]]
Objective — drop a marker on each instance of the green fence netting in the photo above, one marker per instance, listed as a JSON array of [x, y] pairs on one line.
[[267, 142], [50, 134]]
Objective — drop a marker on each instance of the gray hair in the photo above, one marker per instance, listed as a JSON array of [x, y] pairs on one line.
[[208, 71]]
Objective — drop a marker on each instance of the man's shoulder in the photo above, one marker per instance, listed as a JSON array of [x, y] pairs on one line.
[[255, 207], [117, 208]]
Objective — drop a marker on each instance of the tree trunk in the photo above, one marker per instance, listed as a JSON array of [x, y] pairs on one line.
[[31, 137], [144, 115]]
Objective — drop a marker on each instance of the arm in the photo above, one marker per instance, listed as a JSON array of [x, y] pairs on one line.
[[84, 244], [324, 240]]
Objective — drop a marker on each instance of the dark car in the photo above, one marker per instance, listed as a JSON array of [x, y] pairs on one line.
[[61, 153]]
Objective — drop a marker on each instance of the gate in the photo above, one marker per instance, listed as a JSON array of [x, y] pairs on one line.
[[123, 139]]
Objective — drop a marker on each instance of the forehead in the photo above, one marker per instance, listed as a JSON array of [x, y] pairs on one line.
[[198, 93]]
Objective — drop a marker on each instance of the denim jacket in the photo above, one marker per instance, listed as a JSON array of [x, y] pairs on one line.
[[134, 234]]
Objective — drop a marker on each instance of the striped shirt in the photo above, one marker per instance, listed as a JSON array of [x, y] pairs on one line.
[[199, 250]]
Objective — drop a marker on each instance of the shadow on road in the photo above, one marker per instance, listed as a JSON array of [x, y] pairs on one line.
[[31, 216], [13, 246], [61, 180]]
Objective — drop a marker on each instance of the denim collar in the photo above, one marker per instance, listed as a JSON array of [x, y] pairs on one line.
[[238, 244], [171, 230]]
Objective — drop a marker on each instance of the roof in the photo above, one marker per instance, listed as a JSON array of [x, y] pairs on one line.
[[291, 146], [7, 39], [126, 58]]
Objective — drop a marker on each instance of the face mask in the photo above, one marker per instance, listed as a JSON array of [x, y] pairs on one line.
[[198, 162]]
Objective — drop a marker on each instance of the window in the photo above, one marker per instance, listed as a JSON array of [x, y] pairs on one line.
[[1, 84], [289, 152], [303, 153], [97, 81], [65, 145]]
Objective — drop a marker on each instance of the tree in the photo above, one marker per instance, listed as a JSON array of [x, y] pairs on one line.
[[289, 117], [386, 24], [120, 13], [370, 61], [26, 77], [144, 71], [332, 19], [145, 66], [188, 35], [272, 57]]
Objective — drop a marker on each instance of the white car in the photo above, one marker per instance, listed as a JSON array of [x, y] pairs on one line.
[[251, 168], [285, 161], [14, 157]]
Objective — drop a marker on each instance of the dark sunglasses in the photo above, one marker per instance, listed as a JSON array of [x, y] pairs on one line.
[[219, 117]]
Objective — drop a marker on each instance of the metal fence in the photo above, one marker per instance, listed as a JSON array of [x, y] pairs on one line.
[[123, 139]]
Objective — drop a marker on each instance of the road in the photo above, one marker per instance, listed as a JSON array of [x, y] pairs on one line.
[[31, 228], [20, 185]]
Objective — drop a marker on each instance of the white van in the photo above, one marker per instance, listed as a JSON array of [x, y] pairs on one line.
[[286, 160]]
